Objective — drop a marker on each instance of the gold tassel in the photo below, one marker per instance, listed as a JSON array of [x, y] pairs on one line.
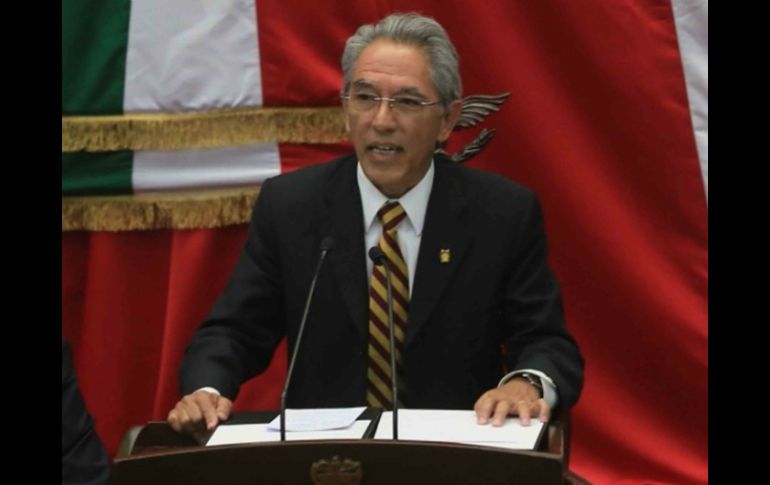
[[209, 129], [158, 211]]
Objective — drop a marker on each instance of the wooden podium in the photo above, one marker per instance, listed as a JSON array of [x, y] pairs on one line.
[[161, 456]]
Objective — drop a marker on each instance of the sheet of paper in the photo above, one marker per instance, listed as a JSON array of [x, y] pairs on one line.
[[458, 427], [317, 419], [258, 433]]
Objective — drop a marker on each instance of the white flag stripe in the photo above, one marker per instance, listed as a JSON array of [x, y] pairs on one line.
[[691, 17], [201, 169], [192, 55]]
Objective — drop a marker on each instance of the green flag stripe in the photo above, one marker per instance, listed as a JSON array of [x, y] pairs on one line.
[[94, 42], [105, 173]]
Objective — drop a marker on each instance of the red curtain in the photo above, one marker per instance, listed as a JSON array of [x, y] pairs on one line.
[[597, 124], [131, 302]]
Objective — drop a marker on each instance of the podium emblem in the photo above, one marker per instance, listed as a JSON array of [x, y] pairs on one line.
[[336, 472]]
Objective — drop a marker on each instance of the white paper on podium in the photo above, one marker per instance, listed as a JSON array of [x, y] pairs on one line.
[[317, 419], [231, 434], [458, 427]]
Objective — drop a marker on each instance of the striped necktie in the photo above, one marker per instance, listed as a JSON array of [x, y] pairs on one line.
[[378, 374]]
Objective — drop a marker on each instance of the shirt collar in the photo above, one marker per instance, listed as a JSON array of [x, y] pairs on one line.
[[414, 202]]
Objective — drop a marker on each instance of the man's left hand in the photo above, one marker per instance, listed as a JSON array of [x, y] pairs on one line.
[[516, 397]]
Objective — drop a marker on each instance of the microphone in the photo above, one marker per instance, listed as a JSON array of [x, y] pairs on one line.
[[378, 257], [326, 245]]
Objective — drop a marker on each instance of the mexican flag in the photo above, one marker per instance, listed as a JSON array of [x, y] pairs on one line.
[[175, 56]]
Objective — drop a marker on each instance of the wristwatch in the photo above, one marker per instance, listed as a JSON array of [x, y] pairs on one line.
[[532, 379]]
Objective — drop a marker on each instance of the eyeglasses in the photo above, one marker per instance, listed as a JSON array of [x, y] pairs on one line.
[[364, 102]]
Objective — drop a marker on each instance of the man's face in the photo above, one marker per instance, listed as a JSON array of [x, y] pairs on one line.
[[395, 148]]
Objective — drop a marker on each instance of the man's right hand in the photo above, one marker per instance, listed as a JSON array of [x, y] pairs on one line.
[[199, 412]]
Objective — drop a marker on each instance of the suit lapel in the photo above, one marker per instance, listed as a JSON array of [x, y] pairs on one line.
[[343, 220], [443, 230]]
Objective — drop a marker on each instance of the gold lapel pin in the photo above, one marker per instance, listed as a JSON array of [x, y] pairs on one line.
[[444, 256]]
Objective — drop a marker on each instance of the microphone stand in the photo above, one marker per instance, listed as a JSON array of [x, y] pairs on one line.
[[378, 257], [326, 245]]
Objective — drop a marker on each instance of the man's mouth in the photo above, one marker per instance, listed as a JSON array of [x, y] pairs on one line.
[[384, 149]]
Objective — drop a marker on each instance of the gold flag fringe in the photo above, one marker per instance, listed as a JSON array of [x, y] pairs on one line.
[[158, 211], [209, 129]]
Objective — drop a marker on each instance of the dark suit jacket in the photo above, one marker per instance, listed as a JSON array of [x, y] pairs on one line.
[[83, 456], [496, 290]]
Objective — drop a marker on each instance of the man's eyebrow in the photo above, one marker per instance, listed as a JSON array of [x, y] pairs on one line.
[[363, 83], [410, 90]]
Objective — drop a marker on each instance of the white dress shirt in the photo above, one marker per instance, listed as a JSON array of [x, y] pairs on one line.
[[409, 231]]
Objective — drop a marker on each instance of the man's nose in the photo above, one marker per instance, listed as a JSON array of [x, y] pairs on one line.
[[384, 116]]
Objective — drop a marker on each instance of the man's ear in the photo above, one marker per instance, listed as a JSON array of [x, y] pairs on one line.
[[449, 119]]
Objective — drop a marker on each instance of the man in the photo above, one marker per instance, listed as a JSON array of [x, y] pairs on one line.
[[84, 459], [473, 292]]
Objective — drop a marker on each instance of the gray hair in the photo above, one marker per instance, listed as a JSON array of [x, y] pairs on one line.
[[416, 30]]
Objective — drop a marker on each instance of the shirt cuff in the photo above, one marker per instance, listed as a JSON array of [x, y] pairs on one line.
[[549, 388], [210, 389]]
